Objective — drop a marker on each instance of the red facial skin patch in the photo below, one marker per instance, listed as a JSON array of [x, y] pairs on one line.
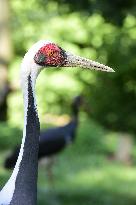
[[50, 55]]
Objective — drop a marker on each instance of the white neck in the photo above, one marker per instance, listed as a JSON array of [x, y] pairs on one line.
[[28, 67], [7, 192]]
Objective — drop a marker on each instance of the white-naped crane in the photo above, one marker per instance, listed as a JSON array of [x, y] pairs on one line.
[[21, 188]]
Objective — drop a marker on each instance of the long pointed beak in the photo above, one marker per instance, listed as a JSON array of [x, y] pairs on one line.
[[77, 61]]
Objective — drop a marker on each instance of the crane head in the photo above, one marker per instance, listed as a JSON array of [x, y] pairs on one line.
[[78, 100], [45, 54], [51, 55]]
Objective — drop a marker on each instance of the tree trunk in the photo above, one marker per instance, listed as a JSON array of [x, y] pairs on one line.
[[5, 56], [124, 148]]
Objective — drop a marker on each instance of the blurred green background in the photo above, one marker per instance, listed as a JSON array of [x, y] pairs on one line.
[[100, 167]]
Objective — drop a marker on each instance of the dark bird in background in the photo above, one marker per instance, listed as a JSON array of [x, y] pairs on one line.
[[53, 140]]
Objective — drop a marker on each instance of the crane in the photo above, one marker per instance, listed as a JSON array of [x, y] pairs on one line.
[[53, 140], [21, 188]]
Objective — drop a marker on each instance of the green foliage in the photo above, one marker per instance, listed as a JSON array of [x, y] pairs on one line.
[[101, 30], [9, 136], [88, 179], [112, 96]]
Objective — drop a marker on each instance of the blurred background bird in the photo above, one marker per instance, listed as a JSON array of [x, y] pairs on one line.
[[53, 140]]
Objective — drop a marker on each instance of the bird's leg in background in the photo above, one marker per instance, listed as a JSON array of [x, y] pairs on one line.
[[49, 168]]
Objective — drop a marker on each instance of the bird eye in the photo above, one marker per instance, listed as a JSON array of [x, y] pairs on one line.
[[40, 58]]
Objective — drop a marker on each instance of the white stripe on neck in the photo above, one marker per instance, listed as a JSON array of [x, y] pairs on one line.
[[7, 192], [28, 66]]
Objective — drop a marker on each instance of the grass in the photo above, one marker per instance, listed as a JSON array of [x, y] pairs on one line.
[[82, 173], [80, 182]]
